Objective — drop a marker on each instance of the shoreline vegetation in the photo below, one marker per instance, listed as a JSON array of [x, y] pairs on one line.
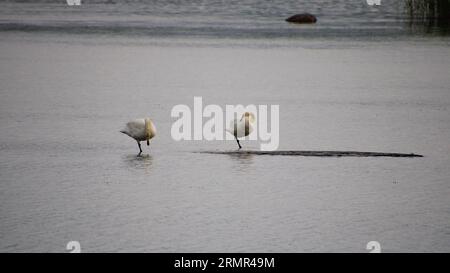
[[430, 13]]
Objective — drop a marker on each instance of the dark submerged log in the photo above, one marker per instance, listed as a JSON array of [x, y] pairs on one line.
[[315, 153]]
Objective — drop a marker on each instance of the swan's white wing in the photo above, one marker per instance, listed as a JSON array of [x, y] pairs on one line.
[[136, 129], [239, 128]]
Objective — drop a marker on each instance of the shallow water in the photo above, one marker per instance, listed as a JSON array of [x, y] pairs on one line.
[[66, 173]]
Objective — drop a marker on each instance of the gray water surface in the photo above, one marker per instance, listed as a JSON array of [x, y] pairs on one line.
[[66, 173]]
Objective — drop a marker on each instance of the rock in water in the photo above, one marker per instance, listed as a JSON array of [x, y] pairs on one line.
[[302, 18]]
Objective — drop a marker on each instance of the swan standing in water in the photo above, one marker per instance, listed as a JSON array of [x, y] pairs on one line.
[[242, 127], [141, 130]]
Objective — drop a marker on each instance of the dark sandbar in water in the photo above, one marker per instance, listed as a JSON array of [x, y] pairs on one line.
[[314, 153]]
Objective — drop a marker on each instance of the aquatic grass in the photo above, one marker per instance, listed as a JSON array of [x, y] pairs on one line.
[[429, 12]]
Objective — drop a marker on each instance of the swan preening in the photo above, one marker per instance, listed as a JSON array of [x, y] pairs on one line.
[[141, 130], [190, 125], [242, 127]]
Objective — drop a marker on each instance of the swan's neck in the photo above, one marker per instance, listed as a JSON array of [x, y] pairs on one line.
[[148, 129]]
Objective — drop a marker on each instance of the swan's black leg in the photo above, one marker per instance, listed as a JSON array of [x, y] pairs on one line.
[[238, 143], [148, 142], [140, 150]]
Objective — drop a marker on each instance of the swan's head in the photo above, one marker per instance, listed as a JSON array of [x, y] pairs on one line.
[[249, 116]]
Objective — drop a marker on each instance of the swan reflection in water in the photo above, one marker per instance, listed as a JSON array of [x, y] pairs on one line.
[[242, 162], [143, 162]]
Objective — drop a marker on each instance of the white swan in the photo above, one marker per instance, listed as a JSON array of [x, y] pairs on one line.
[[141, 130], [242, 127]]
